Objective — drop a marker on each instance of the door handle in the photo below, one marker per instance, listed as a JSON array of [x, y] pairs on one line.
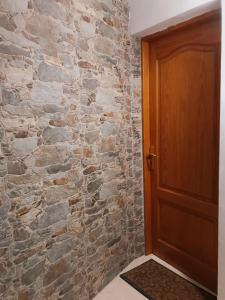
[[151, 160]]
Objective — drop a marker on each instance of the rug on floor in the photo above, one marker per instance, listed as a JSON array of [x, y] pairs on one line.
[[156, 282]]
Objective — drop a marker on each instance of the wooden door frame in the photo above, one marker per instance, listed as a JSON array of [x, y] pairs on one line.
[[146, 100]]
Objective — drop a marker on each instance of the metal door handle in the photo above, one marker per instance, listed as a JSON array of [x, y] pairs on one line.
[[151, 159]]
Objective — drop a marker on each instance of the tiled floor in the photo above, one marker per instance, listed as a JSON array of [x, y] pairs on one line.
[[118, 289]]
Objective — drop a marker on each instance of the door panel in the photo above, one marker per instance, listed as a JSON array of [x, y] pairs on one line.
[[201, 227], [184, 122], [187, 116]]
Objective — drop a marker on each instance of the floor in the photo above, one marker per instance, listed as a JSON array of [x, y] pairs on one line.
[[120, 290]]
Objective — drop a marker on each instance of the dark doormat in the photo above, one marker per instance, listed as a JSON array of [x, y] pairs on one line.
[[158, 283]]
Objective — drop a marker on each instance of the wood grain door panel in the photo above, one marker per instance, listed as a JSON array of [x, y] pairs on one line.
[[185, 119], [184, 134], [202, 228]]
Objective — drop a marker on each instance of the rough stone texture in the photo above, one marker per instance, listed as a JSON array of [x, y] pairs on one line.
[[71, 200]]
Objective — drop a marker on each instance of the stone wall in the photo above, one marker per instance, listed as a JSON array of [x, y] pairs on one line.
[[71, 208]]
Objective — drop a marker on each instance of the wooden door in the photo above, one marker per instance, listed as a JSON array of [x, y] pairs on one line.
[[182, 131]]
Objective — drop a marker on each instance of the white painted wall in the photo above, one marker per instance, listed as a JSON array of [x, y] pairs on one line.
[[221, 280], [149, 16]]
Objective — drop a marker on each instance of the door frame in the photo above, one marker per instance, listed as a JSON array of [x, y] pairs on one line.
[[146, 100]]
